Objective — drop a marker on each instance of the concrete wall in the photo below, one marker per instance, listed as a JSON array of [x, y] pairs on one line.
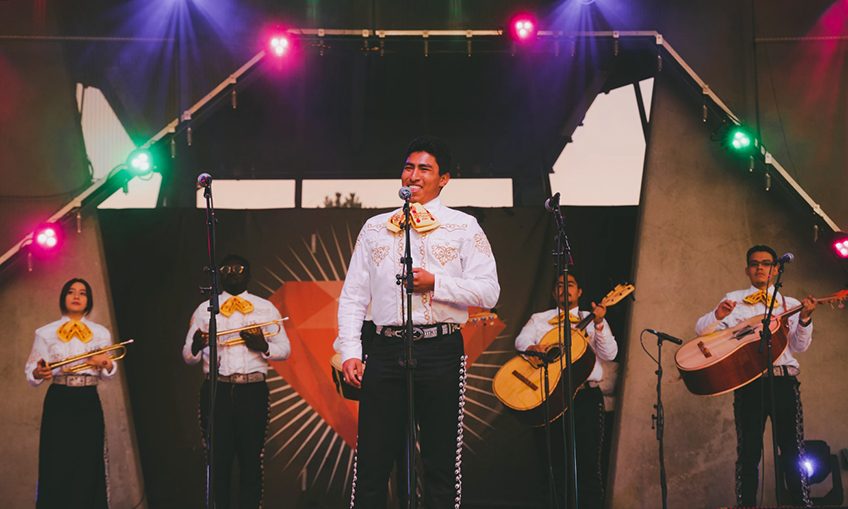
[[31, 300], [700, 212]]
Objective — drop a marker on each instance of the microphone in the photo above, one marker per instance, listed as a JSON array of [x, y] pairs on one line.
[[552, 203], [204, 180], [546, 357], [786, 258], [665, 337], [405, 193]]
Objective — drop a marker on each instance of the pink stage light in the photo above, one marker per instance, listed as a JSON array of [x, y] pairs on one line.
[[840, 246], [46, 238], [279, 45], [523, 28]]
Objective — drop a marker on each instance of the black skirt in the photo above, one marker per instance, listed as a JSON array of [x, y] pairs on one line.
[[71, 466]]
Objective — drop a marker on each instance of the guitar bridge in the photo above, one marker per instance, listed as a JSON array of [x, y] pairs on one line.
[[704, 349], [524, 379]]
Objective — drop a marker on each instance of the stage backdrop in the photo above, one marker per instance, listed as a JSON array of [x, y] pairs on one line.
[[299, 260]]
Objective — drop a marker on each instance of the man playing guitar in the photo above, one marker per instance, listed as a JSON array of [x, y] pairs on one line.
[[751, 405], [588, 402]]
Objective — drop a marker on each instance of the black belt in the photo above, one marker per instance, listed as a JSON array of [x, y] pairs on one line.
[[418, 331]]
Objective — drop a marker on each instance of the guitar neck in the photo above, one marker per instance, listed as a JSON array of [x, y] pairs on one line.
[[582, 324], [795, 309]]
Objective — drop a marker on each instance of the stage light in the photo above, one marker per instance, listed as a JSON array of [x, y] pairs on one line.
[[279, 45], [840, 245], [523, 28], [818, 464], [46, 238], [140, 162], [816, 461], [740, 140]]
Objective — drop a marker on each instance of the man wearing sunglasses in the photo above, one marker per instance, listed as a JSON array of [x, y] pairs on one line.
[[241, 400], [751, 404]]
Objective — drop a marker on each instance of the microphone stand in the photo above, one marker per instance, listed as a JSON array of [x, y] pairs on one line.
[[659, 421], [546, 360], [766, 347], [214, 309], [562, 254], [408, 362]]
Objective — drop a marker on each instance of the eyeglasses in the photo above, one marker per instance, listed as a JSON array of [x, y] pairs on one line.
[[760, 263], [232, 269]]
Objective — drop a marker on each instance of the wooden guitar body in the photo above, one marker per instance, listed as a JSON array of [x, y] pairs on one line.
[[725, 360], [519, 384]]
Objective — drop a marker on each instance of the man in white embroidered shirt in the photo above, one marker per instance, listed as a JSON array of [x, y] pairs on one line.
[[453, 269], [751, 404], [589, 400], [241, 400]]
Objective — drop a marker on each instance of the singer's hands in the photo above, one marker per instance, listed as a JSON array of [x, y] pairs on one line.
[[724, 308], [422, 280], [353, 369]]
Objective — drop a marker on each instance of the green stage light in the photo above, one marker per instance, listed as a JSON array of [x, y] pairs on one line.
[[140, 162], [740, 139]]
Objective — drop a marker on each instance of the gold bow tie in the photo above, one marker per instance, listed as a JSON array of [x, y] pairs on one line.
[[234, 304], [73, 328], [759, 296], [422, 220], [571, 318]]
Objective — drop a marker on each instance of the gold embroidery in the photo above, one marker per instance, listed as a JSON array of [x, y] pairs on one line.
[[482, 244], [378, 254], [375, 227], [452, 227], [445, 253]]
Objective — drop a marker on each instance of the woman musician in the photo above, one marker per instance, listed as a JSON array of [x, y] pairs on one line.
[[71, 466]]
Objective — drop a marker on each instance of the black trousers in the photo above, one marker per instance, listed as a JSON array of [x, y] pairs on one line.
[[383, 415], [751, 407], [71, 468], [589, 437], [241, 420]]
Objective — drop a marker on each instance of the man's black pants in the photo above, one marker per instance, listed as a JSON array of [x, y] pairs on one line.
[[751, 406], [383, 412], [241, 419], [589, 433]]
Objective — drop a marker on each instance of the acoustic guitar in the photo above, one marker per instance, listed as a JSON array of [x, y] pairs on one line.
[[727, 359], [519, 383]]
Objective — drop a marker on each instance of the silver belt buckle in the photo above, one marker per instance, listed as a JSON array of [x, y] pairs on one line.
[[75, 380]]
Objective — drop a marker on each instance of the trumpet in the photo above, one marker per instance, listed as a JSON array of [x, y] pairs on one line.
[[119, 349], [277, 324]]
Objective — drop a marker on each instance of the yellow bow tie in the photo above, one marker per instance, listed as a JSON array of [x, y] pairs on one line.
[[571, 318], [759, 296], [422, 220], [73, 328], [234, 304]]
